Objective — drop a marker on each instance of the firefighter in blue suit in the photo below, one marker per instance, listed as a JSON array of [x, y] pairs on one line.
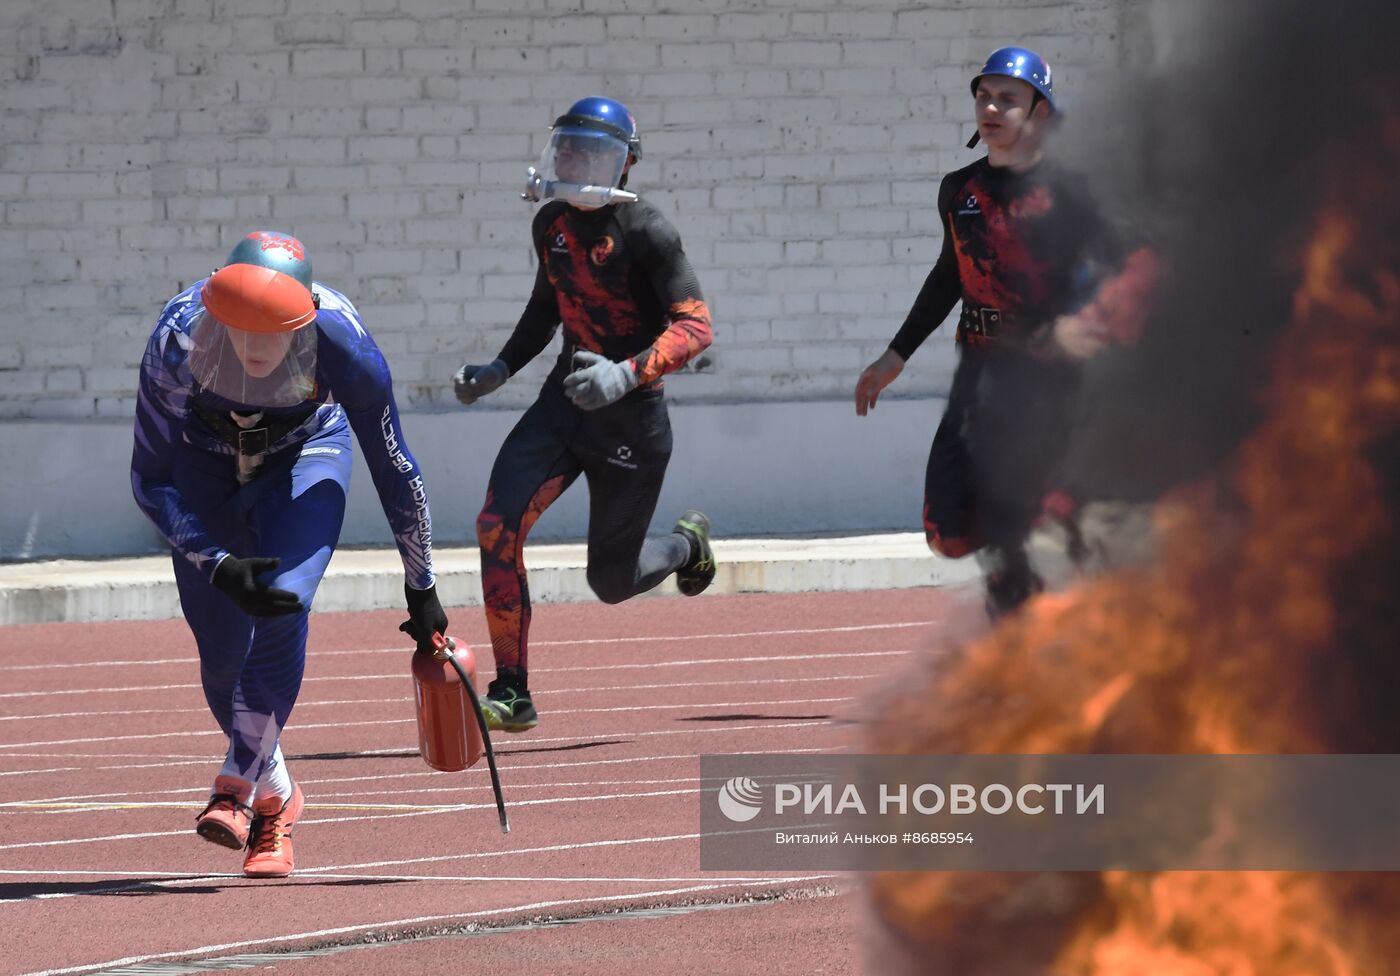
[[249, 389]]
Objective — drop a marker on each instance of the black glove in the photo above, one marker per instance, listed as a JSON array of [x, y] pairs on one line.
[[471, 383], [425, 616], [239, 579]]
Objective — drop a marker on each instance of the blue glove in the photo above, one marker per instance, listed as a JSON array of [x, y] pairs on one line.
[[471, 383], [598, 381]]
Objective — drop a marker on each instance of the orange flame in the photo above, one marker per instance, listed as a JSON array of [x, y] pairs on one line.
[[1226, 645]]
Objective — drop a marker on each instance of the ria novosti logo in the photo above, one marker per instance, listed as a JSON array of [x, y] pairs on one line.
[[740, 799]]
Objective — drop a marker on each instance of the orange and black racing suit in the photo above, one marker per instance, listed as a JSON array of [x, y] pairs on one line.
[[1019, 250], [620, 282]]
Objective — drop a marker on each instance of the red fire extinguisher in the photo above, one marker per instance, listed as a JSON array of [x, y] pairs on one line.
[[452, 733]]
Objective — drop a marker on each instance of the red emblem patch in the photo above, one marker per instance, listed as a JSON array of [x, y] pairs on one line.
[[288, 244], [601, 250]]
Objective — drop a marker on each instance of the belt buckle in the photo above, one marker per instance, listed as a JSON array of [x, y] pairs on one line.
[[990, 320], [252, 442]]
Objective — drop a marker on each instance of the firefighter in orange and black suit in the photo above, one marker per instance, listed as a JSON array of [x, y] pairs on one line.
[[1044, 284], [612, 270]]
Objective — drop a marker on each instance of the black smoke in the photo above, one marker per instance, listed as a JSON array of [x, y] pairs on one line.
[[1230, 153]]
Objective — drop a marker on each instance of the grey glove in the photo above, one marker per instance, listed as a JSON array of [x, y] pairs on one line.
[[598, 381], [471, 383]]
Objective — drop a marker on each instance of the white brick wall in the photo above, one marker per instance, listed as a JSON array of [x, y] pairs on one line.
[[796, 144]]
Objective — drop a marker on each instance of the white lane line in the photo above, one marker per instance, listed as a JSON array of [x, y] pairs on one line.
[[182, 711], [400, 814], [124, 737], [582, 845], [51, 769], [163, 763], [516, 768], [396, 811], [577, 642], [476, 855], [405, 922], [322, 801], [63, 873], [529, 746], [174, 761], [340, 801], [741, 704], [174, 833], [542, 690], [201, 793], [403, 676], [56, 692]]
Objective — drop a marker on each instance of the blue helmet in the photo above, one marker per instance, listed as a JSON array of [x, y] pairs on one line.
[[594, 115], [275, 250], [1022, 63]]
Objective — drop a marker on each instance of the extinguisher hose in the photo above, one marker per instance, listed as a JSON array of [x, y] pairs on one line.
[[485, 738]]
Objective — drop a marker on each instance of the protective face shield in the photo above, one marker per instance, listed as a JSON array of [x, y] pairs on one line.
[[249, 343], [583, 158], [586, 155]]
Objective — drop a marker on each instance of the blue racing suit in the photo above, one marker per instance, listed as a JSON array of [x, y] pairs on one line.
[[286, 502]]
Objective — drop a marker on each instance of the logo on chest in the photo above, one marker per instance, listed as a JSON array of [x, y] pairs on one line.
[[601, 250], [560, 244], [970, 207]]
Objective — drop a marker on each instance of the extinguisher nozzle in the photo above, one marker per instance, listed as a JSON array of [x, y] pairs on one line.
[[442, 646], [485, 736]]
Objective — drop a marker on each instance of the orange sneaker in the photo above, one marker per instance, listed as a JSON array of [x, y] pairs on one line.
[[270, 842], [227, 818]]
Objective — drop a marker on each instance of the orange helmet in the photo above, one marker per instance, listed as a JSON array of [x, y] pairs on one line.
[[265, 287]]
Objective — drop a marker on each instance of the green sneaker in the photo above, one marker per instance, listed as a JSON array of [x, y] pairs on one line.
[[693, 578], [506, 705]]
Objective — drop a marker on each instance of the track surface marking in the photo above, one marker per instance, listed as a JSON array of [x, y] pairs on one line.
[[107, 751]]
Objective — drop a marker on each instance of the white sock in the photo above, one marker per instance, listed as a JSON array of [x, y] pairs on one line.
[[275, 780]]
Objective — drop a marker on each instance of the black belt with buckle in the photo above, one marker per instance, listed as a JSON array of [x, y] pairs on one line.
[[252, 441], [981, 321]]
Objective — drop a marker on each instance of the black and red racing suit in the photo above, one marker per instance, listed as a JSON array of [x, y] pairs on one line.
[[1020, 249], [619, 281]]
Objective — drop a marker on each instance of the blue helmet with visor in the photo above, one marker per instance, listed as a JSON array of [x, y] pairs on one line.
[[588, 151], [601, 116]]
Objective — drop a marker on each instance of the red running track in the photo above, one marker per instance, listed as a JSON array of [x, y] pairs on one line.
[[107, 751]]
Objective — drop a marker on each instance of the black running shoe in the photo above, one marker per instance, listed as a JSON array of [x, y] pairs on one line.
[[506, 705], [697, 574]]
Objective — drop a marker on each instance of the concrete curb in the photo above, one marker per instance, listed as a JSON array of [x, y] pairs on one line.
[[143, 588]]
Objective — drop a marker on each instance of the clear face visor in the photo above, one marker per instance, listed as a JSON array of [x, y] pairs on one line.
[[256, 369], [583, 158]]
